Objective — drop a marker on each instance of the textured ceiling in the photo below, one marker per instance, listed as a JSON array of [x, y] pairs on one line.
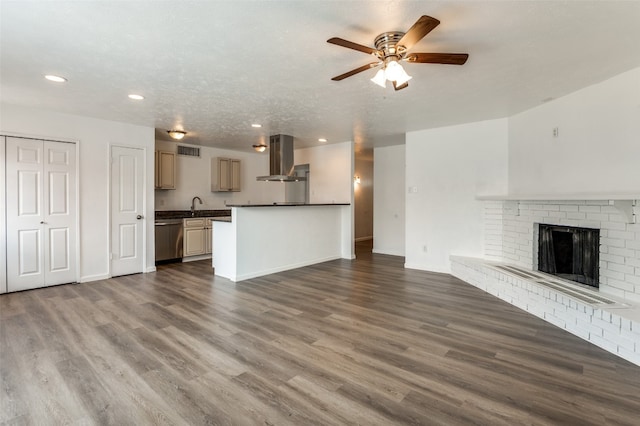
[[215, 67]]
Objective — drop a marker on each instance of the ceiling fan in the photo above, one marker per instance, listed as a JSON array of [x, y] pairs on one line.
[[392, 47]]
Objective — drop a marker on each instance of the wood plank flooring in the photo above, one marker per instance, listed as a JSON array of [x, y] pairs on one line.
[[344, 342]]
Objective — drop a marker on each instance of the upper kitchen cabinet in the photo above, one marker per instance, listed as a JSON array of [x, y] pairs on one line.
[[165, 176], [225, 174]]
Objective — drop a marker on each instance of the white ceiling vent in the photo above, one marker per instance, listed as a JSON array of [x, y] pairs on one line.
[[188, 151]]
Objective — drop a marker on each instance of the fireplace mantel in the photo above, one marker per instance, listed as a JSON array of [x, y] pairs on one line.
[[575, 196], [623, 202]]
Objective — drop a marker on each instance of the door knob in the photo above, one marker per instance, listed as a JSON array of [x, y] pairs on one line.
[[139, 217], [42, 222]]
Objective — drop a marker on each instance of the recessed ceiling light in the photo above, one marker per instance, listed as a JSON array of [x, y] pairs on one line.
[[256, 125], [136, 97], [322, 140], [55, 78]]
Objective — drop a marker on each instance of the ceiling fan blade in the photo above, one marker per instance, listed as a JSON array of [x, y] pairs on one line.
[[438, 58], [421, 28], [401, 86], [355, 71], [351, 45]]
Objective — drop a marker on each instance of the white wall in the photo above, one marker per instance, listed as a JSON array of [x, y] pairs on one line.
[[193, 178], [94, 138], [3, 235], [331, 181], [363, 195], [596, 152], [331, 172], [389, 200], [448, 167], [597, 149]]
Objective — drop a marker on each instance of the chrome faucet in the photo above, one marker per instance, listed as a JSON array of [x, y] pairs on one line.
[[193, 205]]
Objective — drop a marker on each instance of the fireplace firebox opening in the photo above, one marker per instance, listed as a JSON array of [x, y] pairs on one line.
[[569, 252]]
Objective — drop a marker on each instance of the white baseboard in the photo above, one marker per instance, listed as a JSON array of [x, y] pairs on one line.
[[194, 258], [389, 252], [370, 237], [97, 277], [281, 268], [150, 269], [426, 268]]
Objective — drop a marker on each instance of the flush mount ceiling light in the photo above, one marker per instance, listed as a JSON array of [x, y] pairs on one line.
[[322, 140], [256, 125], [136, 97], [392, 47], [55, 78], [177, 134], [260, 147]]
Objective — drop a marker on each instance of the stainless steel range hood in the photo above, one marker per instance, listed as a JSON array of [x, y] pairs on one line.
[[281, 160]]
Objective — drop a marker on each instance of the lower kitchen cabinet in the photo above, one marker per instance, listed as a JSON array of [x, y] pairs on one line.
[[197, 237], [208, 237], [194, 239]]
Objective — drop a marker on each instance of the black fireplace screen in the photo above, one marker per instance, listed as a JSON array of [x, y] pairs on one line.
[[570, 253]]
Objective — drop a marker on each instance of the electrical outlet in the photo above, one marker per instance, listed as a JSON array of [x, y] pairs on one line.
[[413, 190], [555, 132], [424, 248]]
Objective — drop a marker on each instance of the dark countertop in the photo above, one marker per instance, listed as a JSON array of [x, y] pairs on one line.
[[287, 205], [185, 214], [221, 219]]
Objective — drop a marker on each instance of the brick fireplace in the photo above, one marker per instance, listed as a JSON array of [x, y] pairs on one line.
[[512, 237]]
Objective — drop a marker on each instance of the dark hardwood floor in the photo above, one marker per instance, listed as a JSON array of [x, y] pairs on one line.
[[344, 342]]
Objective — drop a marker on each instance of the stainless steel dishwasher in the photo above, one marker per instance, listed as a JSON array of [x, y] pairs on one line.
[[168, 240]]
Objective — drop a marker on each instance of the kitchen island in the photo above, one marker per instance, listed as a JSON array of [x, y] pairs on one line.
[[269, 238]]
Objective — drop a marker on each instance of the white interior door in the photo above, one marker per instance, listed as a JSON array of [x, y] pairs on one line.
[[127, 208], [41, 213]]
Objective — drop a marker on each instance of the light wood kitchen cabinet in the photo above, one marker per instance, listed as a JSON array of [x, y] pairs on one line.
[[197, 237], [165, 176], [225, 174], [208, 236], [194, 241]]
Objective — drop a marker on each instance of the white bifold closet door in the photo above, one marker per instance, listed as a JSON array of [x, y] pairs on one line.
[[41, 213]]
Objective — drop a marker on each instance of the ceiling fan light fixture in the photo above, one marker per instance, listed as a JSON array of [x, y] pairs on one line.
[[395, 72], [402, 77], [391, 47], [380, 78], [177, 134], [260, 148]]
